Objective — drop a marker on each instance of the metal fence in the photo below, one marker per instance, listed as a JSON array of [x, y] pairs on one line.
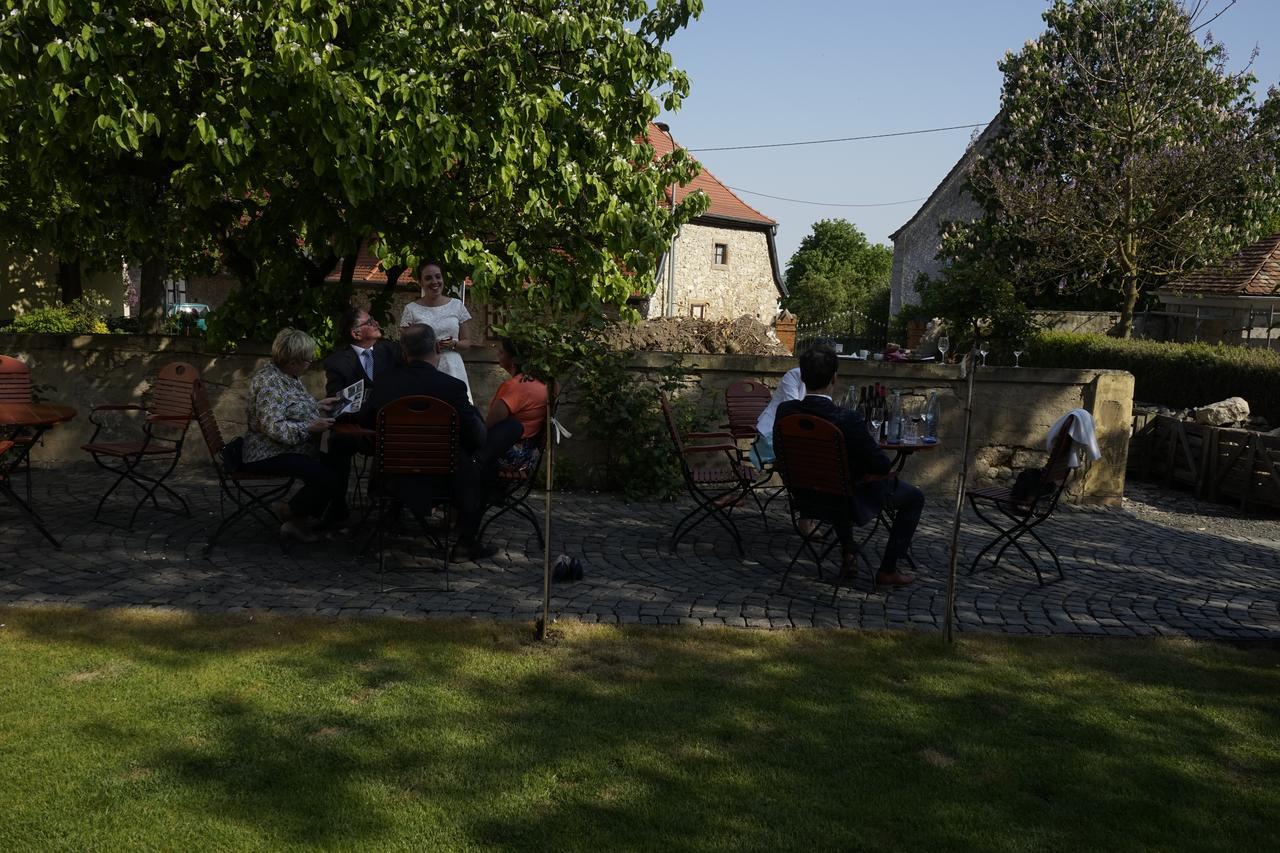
[[850, 330], [1254, 327]]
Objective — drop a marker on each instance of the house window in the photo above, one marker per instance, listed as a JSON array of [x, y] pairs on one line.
[[698, 310], [175, 291], [721, 258]]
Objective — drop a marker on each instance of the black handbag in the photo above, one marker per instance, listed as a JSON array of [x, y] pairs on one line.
[[1030, 485]]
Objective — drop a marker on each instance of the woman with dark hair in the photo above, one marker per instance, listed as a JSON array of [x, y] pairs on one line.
[[517, 413], [447, 316]]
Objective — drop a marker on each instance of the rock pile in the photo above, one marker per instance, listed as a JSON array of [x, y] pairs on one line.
[[1232, 412], [743, 336]]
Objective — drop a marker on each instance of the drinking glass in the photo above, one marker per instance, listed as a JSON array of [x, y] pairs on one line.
[[982, 351], [877, 418], [944, 344], [1017, 354], [910, 424]]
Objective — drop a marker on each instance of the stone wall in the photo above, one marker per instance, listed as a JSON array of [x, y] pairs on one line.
[[744, 285], [916, 244], [1013, 408]]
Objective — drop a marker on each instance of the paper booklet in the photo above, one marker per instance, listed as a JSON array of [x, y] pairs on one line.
[[350, 399]]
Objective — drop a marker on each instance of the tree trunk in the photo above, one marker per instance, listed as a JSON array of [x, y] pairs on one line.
[[1125, 328], [70, 281], [151, 295]]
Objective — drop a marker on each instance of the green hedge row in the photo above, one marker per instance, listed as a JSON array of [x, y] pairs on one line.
[[1169, 374]]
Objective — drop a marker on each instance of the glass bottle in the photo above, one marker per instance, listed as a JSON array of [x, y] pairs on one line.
[[895, 418], [931, 414]]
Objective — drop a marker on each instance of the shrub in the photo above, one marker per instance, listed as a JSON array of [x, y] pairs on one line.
[[85, 316], [1171, 374]]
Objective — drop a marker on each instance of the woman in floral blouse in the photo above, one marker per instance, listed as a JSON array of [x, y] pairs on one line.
[[285, 423]]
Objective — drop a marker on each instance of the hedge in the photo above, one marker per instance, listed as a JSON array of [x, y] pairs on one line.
[[1172, 374]]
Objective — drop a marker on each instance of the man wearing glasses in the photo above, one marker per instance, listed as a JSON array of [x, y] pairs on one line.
[[361, 353]]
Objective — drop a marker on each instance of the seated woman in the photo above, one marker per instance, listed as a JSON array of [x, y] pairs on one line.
[[517, 414], [285, 423]]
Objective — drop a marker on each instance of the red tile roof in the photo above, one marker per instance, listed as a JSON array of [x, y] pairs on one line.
[[1252, 271], [724, 204]]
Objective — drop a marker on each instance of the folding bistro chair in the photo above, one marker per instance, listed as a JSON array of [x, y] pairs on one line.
[[15, 387], [514, 485], [812, 461], [168, 411], [415, 458], [1020, 514], [716, 486], [251, 494], [744, 401]]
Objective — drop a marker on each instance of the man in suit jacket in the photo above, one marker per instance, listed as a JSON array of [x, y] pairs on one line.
[[361, 353], [869, 467], [418, 376]]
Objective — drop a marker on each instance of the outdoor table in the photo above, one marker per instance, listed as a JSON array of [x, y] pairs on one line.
[[37, 418], [902, 452]]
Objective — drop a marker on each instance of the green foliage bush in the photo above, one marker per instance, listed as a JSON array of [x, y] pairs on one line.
[[85, 316], [1171, 374], [622, 410]]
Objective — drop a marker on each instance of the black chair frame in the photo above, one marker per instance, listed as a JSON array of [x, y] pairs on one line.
[[514, 488]]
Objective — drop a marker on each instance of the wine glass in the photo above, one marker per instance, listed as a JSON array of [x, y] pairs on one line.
[[1017, 354], [877, 418], [982, 351], [944, 344]]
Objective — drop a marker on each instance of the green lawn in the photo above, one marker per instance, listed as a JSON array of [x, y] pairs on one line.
[[125, 730]]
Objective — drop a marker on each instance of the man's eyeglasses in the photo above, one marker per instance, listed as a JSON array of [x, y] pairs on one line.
[[369, 322]]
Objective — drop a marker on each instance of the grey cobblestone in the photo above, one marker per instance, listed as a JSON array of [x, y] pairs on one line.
[[1127, 574]]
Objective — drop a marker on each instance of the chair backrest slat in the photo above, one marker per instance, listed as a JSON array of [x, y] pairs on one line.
[[208, 423], [744, 401], [15, 380], [417, 436], [172, 394], [811, 455], [1056, 470], [673, 428]]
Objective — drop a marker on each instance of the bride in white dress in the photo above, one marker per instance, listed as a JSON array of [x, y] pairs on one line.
[[447, 316]]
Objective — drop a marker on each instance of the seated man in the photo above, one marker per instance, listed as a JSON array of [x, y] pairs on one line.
[[419, 376], [868, 467], [790, 387]]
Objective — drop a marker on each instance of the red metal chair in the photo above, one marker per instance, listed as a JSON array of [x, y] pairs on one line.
[[744, 401], [813, 463], [415, 458], [716, 486], [16, 387], [167, 412], [250, 493], [1020, 514]]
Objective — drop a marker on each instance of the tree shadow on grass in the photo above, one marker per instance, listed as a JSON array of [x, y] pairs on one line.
[[453, 734]]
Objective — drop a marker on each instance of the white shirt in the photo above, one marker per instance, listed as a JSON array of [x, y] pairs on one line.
[[791, 387], [367, 364]]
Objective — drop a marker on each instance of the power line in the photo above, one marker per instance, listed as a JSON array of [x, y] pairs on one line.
[[842, 139], [825, 203]]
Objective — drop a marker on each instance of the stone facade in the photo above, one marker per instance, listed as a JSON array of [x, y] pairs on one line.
[[1012, 408], [29, 280], [744, 284], [916, 244]]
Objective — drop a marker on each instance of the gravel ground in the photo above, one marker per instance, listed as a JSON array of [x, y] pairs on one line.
[[1182, 510]]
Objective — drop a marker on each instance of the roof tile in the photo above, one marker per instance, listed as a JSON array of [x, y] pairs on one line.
[[1252, 271], [723, 202]]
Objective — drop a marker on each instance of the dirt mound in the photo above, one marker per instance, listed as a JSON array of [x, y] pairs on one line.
[[743, 336]]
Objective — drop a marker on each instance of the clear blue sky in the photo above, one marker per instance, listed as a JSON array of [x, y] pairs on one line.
[[780, 71]]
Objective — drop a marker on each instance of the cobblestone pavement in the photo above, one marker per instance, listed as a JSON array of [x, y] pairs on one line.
[[1125, 576]]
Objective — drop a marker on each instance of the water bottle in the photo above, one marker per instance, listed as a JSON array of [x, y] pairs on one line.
[[931, 419], [895, 418]]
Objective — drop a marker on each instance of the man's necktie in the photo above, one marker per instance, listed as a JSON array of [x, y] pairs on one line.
[[366, 357]]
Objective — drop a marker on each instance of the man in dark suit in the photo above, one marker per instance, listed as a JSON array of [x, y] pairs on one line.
[[869, 467], [361, 353], [418, 376]]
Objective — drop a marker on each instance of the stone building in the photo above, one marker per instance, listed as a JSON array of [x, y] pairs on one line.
[[916, 244], [1236, 301], [725, 261]]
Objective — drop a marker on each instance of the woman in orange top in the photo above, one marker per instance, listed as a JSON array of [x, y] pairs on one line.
[[517, 414]]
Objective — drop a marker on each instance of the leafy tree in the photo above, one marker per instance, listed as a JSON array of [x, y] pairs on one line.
[[507, 140], [835, 269], [1127, 155]]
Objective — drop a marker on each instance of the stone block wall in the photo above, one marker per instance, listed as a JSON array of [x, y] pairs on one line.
[[744, 285], [1012, 410]]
